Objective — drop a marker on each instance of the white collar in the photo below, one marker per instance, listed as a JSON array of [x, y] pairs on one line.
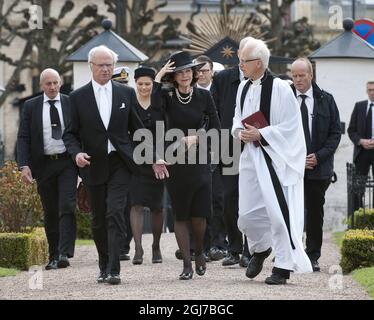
[[205, 88], [308, 93], [45, 98], [96, 85]]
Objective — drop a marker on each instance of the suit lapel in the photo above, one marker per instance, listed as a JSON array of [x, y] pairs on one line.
[[39, 115], [115, 103], [91, 101], [64, 108]]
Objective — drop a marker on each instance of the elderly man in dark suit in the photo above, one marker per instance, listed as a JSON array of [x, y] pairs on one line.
[[224, 88], [103, 114], [361, 133], [42, 155], [322, 132]]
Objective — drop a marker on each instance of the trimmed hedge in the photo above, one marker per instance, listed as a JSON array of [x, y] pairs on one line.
[[362, 221], [357, 250], [22, 250], [84, 230]]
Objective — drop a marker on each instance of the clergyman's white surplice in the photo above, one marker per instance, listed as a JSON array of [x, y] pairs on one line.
[[260, 216]]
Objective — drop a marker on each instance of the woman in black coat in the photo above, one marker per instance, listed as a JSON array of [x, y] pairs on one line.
[[146, 190], [189, 185]]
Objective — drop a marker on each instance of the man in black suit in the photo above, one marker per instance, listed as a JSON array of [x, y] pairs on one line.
[[360, 131], [322, 132], [98, 139], [42, 155], [224, 88]]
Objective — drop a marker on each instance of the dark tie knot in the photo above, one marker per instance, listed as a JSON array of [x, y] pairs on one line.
[[52, 102], [303, 96], [371, 105]]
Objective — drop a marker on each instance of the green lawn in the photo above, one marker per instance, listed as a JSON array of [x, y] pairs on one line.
[[4, 272], [84, 242], [364, 276]]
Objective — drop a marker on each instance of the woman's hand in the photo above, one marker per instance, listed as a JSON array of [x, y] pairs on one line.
[[167, 68], [190, 141]]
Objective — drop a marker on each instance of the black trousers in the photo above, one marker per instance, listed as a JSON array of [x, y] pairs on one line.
[[57, 190], [231, 214], [314, 196], [127, 235], [108, 202], [363, 162], [216, 225]]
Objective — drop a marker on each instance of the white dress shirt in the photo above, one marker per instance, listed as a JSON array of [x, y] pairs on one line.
[[205, 88], [103, 96], [52, 146], [309, 101]]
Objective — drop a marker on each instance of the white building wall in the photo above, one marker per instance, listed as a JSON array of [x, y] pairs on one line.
[[346, 80]]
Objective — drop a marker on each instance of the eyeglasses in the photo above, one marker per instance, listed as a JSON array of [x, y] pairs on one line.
[[249, 60], [203, 71], [103, 65]]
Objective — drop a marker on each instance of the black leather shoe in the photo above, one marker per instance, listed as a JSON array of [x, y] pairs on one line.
[[156, 255], [113, 279], [63, 262], [275, 279], [244, 261], [102, 277], [231, 259], [315, 266], [52, 265], [138, 257], [200, 268], [186, 275], [124, 257], [256, 263], [216, 254]]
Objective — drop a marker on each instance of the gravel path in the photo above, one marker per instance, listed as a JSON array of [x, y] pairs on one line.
[[160, 281]]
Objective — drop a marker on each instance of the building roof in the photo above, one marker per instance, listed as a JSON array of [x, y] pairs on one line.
[[125, 50], [346, 45]]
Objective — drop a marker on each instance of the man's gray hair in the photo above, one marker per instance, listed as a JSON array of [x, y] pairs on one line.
[[102, 48], [259, 50]]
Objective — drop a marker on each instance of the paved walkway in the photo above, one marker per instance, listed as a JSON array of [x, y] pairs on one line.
[[148, 281]]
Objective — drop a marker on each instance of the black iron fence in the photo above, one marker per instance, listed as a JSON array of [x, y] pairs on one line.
[[360, 194]]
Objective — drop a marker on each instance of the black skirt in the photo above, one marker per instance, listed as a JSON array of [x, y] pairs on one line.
[[147, 191]]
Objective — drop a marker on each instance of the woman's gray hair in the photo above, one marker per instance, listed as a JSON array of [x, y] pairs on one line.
[[260, 50], [102, 48]]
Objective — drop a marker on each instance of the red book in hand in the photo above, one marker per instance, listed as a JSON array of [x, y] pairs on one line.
[[256, 120]]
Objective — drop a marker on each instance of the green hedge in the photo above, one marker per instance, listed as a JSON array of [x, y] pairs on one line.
[[363, 220], [22, 250], [84, 230], [357, 250]]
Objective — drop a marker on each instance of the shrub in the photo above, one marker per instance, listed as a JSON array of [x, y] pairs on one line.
[[84, 230], [357, 250], [22, 250], [362, 220], [20, 206]]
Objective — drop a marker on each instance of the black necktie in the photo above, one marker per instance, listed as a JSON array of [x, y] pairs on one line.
[[55, 120], [368, 133], [305, 117]]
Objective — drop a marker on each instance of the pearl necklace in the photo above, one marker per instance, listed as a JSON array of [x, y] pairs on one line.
[[184, 100]]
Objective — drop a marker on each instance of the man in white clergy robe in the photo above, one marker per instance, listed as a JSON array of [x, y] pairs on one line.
[[271, 199]]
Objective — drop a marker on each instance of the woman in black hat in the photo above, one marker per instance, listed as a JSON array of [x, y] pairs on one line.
[[146, 190], [187, 107]]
